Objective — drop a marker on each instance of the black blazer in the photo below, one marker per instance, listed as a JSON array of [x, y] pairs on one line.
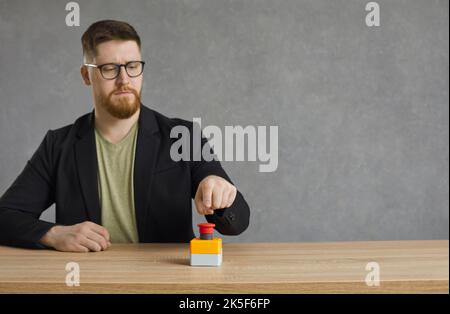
[[63, 171]]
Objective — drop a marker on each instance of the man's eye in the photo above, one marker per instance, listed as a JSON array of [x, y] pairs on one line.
[[109, 68]]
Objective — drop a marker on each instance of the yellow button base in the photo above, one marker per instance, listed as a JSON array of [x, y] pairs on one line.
[[198, 246]]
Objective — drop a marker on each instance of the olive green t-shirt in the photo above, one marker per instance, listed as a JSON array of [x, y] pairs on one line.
[[115, 186]]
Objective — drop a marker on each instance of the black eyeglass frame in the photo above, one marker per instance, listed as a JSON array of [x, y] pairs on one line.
[[118, 66]]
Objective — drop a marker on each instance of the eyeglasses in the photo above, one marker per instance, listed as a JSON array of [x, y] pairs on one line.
[[110, 71]]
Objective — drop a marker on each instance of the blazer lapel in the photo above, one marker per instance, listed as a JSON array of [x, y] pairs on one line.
[[86, 160], [147, 147]]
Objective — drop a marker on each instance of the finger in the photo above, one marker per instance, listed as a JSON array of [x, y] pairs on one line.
[[217, 197], [225, 194], [232, 197], [79, 248], [199, 205], [207, 211], [99, 239], [100, 230], [91, 245], [207, 194]]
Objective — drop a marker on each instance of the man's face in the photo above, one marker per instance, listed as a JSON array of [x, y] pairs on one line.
[[120, 97]]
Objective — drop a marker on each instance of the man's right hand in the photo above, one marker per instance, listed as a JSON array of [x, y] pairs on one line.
[[83, 237]]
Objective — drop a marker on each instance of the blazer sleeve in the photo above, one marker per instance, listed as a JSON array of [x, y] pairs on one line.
[[232, 220], [23, 202]]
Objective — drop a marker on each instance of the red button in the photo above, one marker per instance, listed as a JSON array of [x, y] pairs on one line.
[[206, 228]]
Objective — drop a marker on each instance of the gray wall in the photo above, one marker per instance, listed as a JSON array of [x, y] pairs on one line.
[[362, 112]]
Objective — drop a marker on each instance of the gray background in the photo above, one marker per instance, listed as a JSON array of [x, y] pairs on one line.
[[362, 112]]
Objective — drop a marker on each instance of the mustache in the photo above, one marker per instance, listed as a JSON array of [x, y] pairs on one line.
[[122, 90]]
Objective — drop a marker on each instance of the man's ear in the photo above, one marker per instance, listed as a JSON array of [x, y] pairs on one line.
[[85, 75]]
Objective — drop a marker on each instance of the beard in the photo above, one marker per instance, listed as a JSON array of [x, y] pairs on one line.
[[122, 106]]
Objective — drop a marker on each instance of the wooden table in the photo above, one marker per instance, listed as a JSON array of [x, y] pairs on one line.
[[289, 267]]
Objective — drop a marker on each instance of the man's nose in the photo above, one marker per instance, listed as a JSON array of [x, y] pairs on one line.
[[123, 77]]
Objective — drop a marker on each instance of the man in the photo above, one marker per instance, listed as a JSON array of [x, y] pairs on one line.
[[110, 173]]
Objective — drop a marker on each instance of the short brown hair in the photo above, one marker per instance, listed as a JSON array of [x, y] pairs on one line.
[[106, 30]]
